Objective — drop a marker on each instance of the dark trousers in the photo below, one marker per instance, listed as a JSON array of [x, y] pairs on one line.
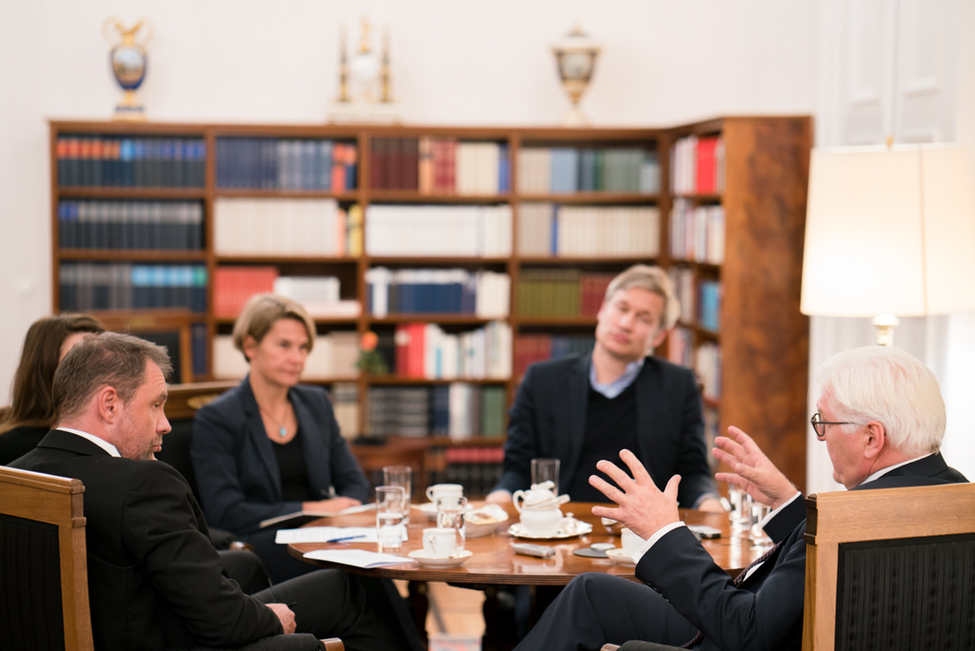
[[596, 609], [330, 603]]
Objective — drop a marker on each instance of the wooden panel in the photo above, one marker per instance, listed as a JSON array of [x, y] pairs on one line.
[[764, 338]]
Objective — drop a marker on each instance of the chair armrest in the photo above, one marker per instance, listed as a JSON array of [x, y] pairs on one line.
[[333, 644], [636, 645], [609, 647]]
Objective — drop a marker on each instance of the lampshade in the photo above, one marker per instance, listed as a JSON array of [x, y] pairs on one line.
[[889, 231]]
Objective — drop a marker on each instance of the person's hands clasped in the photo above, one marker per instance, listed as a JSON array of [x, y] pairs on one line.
[[286, 616], [753, 472], [641, 505]]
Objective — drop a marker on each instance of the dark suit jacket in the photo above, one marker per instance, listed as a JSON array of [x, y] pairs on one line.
[[154, 579], [237, 471], [766, 611], [548, 420], [19, 441]]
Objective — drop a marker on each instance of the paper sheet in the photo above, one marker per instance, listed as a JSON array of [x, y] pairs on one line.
[[356, 557]]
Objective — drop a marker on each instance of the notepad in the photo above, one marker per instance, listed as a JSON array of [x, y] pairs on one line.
[[325, 534], [356, 557], [299, 518]]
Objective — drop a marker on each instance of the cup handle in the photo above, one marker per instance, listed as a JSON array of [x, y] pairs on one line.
[[429, 494]]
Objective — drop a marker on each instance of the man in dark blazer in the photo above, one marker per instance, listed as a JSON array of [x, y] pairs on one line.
[[584, 408], [882, 418], [155, 580]]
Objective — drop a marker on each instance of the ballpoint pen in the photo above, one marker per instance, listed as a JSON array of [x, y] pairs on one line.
[[335, 540]]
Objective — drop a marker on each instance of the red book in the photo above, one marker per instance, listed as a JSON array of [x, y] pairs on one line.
[[410, 349], [338, 167], [706, 175], [410, 149], [233, 286], [395, 166], [377, 167]]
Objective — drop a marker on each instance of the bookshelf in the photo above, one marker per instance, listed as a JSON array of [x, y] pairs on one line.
[[559, 212]]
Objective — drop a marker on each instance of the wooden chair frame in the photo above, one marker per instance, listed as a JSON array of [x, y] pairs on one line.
[[58, 501], [881, 514]]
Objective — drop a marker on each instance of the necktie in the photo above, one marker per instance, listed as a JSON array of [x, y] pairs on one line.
[[737, 581]]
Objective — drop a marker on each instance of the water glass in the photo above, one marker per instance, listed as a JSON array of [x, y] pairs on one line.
[[400, 476], [546, 470], [756, 534], [390, 516], [450, 515], [740, 509]]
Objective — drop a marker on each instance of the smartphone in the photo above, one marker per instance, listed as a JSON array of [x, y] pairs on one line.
[[704, 532]]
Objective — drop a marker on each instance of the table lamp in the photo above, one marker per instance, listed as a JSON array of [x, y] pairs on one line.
[[890, 231]]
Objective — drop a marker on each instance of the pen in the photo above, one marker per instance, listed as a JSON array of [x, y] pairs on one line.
[[335, 540]]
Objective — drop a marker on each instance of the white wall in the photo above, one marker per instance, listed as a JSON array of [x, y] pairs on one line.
[[453, 62]]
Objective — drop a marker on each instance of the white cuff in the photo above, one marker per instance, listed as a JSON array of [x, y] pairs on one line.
[[657, 535]]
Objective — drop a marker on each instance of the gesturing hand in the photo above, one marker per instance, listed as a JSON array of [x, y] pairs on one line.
[[642, 506], [753, 472]]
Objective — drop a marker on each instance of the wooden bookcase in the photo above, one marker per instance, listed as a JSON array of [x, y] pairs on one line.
[[763, 337]]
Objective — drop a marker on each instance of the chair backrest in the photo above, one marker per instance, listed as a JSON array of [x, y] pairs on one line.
[[43, 564], [891, 569]]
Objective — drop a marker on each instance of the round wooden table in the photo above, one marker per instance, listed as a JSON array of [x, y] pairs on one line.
[[494, 563]]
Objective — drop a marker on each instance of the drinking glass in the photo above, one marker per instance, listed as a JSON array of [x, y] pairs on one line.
[[400, 476], [740, 509], [756, 534], [546, 470], [390, 516], [450, 515]]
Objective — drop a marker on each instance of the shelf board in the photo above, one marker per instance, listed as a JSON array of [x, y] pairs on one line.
[[84, 192], [453, 319], [281, 193], [584, 260], [283, 259], [379, 380], [133, 255], [591, 197], [556, 321], [708, 266], [700, 198], [434, 261], [319, 320], [412, 196]]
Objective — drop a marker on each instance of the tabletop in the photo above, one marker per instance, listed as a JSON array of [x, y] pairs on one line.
[[494, 563]]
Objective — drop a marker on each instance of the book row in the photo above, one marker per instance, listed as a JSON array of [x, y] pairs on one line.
[[458, 410], [483, 293], [477, 469], [439, 166], [532, 348], [561, 292], [118, 286], [424, 350], [278, 164], [286, 227], [334, 355], [700, 299], [438, 231], [546, 229], [319, 295], [697, 232], [554, 170], [697, 165], [107, 161], [705, 359], [166, 225]]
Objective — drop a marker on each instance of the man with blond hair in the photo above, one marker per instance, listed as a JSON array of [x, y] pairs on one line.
[[588, 407]]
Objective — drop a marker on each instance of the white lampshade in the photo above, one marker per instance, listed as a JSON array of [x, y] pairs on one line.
[[889, 231]]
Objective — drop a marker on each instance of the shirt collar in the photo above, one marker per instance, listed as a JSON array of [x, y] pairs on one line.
[[883, 471], [620, 384], [102, 443]]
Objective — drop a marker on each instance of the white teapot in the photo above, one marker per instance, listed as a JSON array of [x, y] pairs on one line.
[[539, 509]]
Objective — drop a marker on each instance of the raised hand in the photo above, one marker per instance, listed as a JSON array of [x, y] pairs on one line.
[[752, 471], [641, 505]]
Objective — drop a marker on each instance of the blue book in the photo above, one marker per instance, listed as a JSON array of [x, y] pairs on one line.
[[440, 410], [198, 297], [563, 170], [555, 230], [504, 170], [325, 165]]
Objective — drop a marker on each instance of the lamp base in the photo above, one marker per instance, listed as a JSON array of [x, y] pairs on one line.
[[885, 324]]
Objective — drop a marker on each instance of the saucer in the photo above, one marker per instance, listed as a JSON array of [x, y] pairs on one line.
[[568, 528], [620, 557], [458, 558]]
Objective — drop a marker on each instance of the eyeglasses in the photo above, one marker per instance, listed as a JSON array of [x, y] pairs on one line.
[[819, 425]]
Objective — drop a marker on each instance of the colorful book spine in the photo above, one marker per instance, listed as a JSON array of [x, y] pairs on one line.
[[281, 164], [157, 225], [87, 286], [112, 161]]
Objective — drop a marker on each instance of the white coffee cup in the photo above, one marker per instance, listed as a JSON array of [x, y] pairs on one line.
[[439, 543], [543, 523], [444, 490], [630, 541]]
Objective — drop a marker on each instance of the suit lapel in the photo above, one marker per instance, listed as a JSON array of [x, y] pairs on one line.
[[254, 431], [572, 419]]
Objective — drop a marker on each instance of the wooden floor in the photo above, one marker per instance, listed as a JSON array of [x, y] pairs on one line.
[[454, 612]]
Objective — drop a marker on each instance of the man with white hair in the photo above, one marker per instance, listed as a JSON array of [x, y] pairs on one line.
[[881, 415]]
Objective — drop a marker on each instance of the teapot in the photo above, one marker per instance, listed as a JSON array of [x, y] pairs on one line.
[[540, 496]]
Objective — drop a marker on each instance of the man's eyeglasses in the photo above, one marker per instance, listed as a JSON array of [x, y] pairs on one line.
[[819, 425]]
